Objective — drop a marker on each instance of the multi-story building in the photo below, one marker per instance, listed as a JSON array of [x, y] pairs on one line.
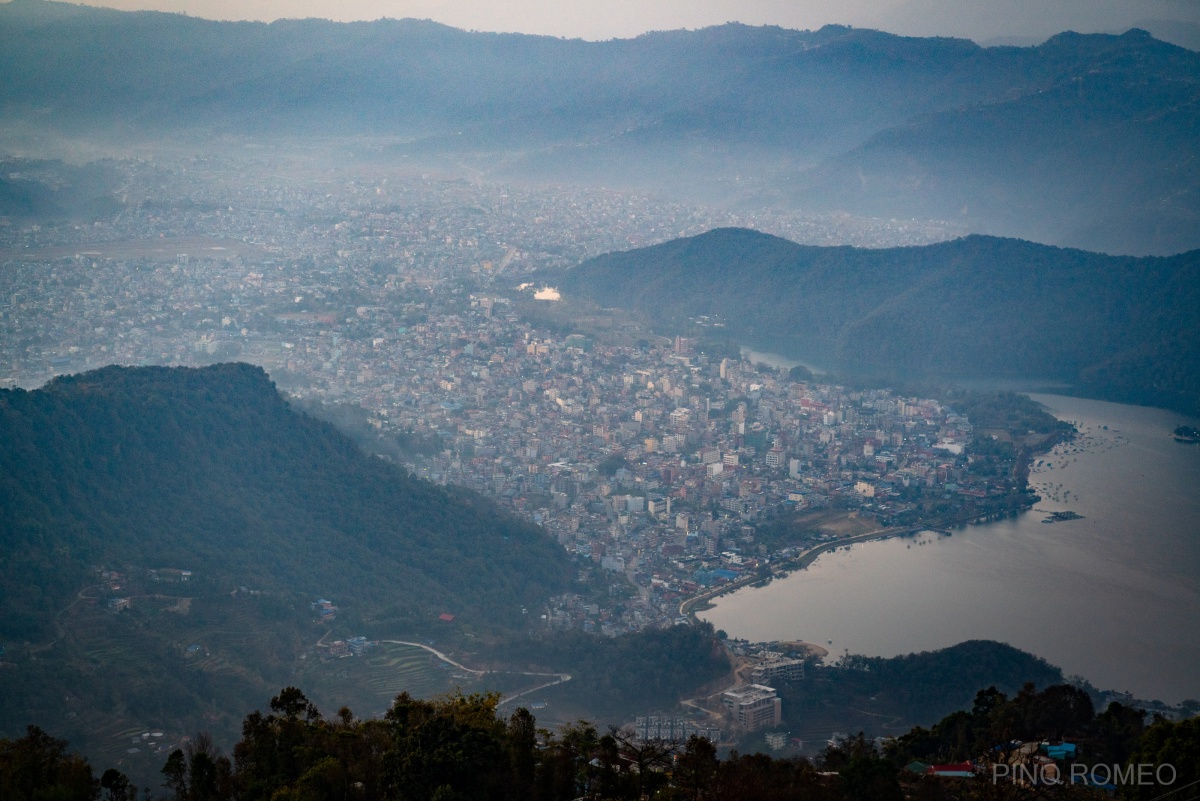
[[779, 670], [667, 727], [754, 707], [775, 457]]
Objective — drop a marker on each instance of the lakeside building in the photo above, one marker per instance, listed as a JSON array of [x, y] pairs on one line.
[[754, 707], [779, 670]]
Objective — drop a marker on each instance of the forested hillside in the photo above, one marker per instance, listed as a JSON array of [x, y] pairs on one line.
[[209, 470], [1121, 328], [885, 695], [458, 747], [622, 677]]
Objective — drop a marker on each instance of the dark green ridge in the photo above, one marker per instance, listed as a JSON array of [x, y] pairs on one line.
[[1121, 328]]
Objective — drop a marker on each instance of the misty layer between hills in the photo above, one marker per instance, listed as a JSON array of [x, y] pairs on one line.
[[1085, 140]]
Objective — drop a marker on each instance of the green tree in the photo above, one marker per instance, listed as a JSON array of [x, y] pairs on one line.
[[1115, 734], [1055, 711], [199, 772], [565, 771], [175, 775], [865, 774], [117, 787], [1173, 746], [455, 742], [37, 767], [522, 753], [696, 767], [647, 759]]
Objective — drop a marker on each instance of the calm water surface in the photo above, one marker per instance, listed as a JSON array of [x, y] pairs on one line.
[[1114, 597]]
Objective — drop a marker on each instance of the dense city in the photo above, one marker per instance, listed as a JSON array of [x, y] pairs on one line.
[[407, 298]]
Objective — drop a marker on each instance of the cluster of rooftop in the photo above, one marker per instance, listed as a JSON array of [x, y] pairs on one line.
[[656, 464]]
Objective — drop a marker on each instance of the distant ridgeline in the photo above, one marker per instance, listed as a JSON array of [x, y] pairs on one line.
[[1084, 139], [1120, 328], [210, 471]]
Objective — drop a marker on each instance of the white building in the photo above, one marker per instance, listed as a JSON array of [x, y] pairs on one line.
[[754, 707]]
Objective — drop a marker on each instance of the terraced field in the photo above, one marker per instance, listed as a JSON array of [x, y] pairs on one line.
[[368, 683], [109, 677]]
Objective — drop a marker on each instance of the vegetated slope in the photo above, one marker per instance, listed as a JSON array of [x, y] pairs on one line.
[[1086, 139], [1119, 327], [209, 470], [919, 688], [618, 678]]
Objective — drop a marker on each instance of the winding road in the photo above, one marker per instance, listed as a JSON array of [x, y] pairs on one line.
[[559, 678]]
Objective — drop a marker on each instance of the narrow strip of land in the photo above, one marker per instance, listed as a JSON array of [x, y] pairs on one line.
[[688, 607]]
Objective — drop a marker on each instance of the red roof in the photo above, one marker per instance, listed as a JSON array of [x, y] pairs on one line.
[[449, 618], [961, 767]]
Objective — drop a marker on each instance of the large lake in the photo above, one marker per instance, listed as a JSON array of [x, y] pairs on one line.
[[1114, 597]]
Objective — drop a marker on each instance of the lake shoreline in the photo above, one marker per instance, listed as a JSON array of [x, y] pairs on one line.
[[1127, 570]]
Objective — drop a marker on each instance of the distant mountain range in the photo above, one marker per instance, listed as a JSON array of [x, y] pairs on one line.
[[1087, 140], [1120, 328], [211, 471]]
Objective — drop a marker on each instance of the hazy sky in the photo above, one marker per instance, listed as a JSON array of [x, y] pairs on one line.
[[603, 19]]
